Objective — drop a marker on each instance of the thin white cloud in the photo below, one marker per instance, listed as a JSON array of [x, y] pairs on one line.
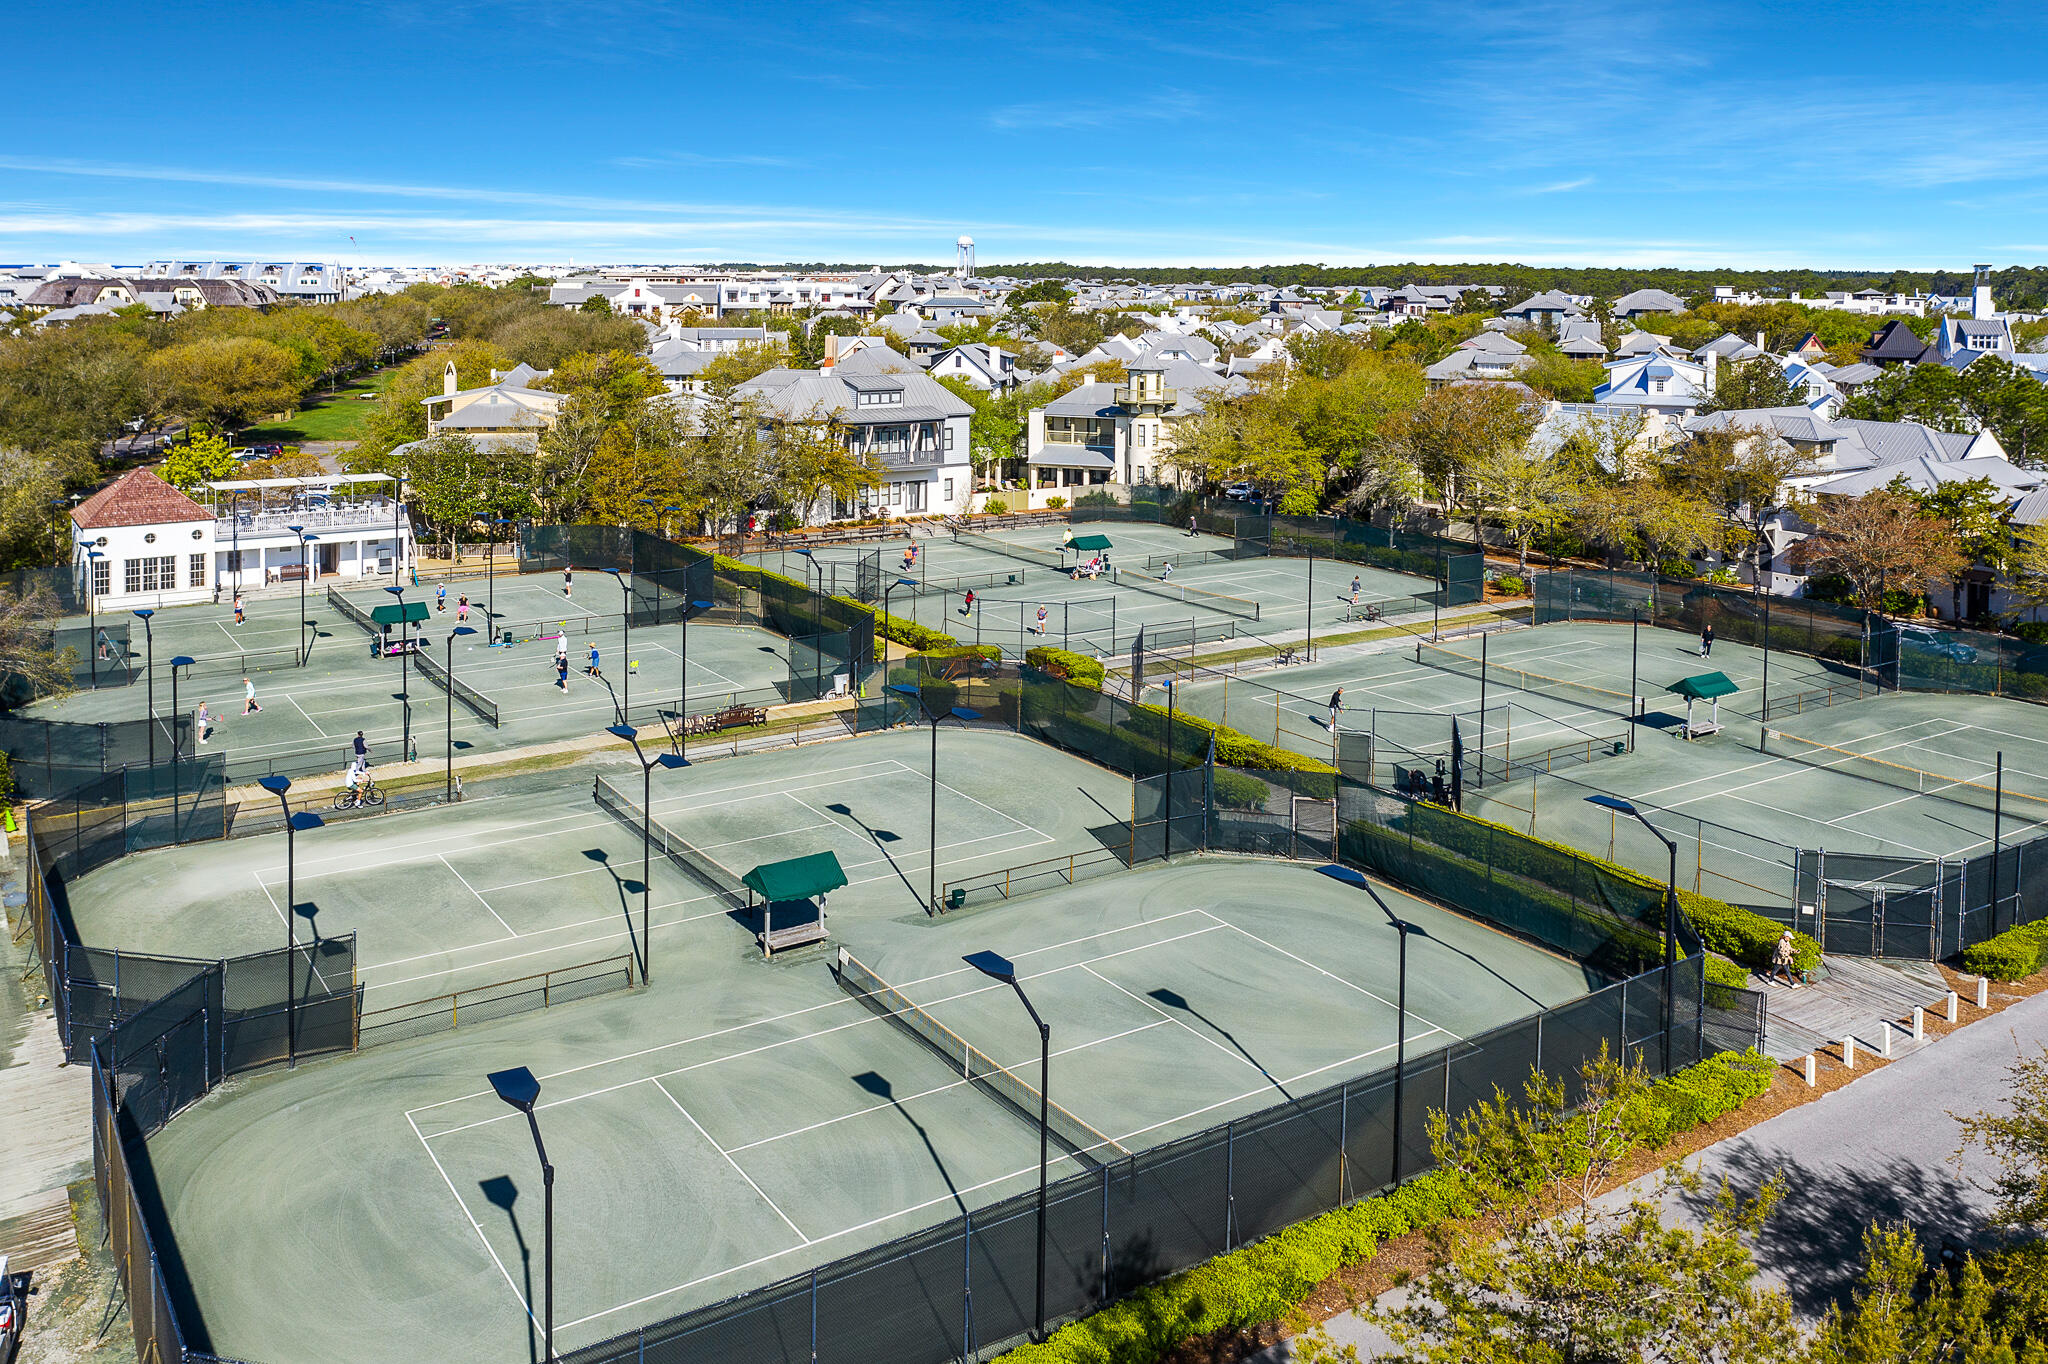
[[1071, 114], [1561, 187]]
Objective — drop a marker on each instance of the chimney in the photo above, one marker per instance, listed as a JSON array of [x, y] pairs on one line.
[[1760, 341], [448, 379], [831, 351], [1713, 370]]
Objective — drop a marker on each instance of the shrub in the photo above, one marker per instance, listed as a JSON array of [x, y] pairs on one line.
[[1270, 1278], [1055, 503], [1097, 500], [1239, 791], [995, 506], [1741, 935], [2012, 955], [1298, 502], [2032, 631], [1510, 584], [910, 634], [1678, 568], [6, 776], [1079, 669]]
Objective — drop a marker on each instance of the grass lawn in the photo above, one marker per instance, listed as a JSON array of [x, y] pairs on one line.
[[338, 415]]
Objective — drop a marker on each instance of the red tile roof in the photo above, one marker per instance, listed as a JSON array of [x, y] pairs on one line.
[[137, 498]]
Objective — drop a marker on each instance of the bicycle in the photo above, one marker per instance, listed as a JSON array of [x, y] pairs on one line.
[[348, 798]]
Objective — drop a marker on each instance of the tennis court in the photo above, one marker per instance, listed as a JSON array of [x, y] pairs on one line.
[[343, 686], [531, 874], [738, 1122], [1903, 776], [1409, 706]]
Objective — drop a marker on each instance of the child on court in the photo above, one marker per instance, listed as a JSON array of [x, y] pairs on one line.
[[441, 597], [593, 669], [240, 619], [249, 706], [462, 609]]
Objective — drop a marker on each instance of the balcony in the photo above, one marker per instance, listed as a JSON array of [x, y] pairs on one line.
[[1104, 440], [1138, 395], [367, 514]]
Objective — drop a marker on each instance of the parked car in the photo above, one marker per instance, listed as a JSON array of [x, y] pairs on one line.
[[1936, 642], [1241, 492]]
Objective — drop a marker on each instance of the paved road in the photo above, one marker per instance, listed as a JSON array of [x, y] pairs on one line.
[[1878, 1149]]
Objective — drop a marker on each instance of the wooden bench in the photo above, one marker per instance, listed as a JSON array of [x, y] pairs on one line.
[[797, 935], [291, 573], [732, 717]]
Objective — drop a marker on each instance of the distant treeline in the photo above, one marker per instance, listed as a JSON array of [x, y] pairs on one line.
[[2014, 285]]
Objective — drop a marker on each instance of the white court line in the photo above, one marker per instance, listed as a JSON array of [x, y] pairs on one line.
[[479, 898], [785, 1017], [470, 1218], [735, 1164], [309, 719], [313, 965], [1166, 1017]]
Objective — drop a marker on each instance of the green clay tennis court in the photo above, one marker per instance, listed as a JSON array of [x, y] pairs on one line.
[[344, 686], [1898, 776], [735, 1121], [531, 875], [1175, 586]]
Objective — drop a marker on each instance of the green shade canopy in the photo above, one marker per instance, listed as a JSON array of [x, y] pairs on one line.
[[1085, 542], [414, 611], [1705, 687], [796, 878]]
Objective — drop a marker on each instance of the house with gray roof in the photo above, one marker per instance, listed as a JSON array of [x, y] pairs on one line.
[[1103, 433], [1646, 303], [1580, 339], [1642, 343], [1549, 308], [990, 369], [887, 410], [1658, 383]]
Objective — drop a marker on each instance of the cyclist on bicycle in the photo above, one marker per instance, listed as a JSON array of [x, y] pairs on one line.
[[358, 781]]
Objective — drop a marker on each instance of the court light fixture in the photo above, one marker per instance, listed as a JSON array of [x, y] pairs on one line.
[[647, 766], [1359, 881], [521, 1090], [1000, 968]]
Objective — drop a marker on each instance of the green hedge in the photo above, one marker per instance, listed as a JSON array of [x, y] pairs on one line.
[[1238, 750], [1743, 936], [910, 634], [1079, 669], [2012, 955], [1267, 1280]]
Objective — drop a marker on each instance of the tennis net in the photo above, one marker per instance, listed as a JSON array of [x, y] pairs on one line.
[[971, 1062], [243, 663], [1979, 790], [484, 706], [1241, 607], [1199, 556], [1044, 558], [964, 581], [694, 862], [1599, 698], [352, 611]]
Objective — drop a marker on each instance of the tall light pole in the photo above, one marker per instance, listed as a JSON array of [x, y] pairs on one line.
[[518, 1088], [177, 751], [999, 968], [293, 822], [448, 790], [1616, 803], [92, 608], [625, 582], [683, 699], [305, 571], [397, 535], [647, 766], [491, 572], [962, 714], [404, 670], [149, 644], [1402, 927]]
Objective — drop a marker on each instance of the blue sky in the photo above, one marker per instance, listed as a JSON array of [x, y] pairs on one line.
[[1872, 135]]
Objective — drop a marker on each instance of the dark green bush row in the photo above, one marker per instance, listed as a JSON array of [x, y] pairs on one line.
[[2012, 955], [1742, 936], [1079, 669], [1267, 1280], [1236, 750], [1240, 791], [909, 634]]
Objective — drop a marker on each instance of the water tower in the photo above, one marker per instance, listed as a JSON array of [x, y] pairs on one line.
[[965, 266]]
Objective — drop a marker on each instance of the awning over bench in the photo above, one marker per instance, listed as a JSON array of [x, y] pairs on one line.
[[1705, 687], [796, 878], [1088, 542]]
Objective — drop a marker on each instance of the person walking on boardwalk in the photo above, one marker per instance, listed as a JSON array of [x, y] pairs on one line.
[[362, 750], [1336, 705], [249, 706], [1782, 958], [1706, 639]]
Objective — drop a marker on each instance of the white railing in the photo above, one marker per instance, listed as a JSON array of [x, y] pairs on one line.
[[341, 516]]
